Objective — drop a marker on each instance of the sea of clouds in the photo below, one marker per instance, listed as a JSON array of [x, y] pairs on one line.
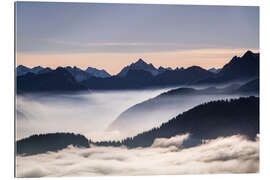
[[235, 154]]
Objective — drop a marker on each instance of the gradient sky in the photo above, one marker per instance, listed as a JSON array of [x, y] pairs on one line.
[[110, 36]]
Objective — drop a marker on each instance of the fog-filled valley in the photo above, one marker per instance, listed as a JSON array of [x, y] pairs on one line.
[[154, 112], [88, 113], [93, 113]]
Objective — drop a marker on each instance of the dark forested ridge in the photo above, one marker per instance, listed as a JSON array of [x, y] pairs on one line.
[[43, 143], [174, 100], [206, 121]]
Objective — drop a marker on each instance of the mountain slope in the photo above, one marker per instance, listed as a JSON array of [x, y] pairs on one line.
[[162, 69], [22, 70], [238, 69], [97, 73], [206, 121], [214, 70], [181, 76], [78, 74], [157, 110], [139, 65]]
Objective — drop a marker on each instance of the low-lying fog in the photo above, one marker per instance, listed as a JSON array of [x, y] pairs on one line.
[[89, 113], [233, 154]]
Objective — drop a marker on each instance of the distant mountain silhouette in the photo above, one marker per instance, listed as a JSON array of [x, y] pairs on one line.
[[141, 75], [181, 76], [97, 73], [22, 70], [77, 73], [56, 80], [139, 65], [238, 69], [43, 143], [206, 121], [162, 69], [138, 79]]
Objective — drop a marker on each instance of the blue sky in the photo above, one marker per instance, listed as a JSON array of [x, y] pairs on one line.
[[76, 28]]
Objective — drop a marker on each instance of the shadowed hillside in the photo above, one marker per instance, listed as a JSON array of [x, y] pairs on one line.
[[154, 111], [43, 143], [238, 69], [206, 121]]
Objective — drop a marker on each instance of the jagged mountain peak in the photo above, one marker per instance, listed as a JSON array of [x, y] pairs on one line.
[[139, 65], [22, 67], [140, 61], [97, 73], [248, 53]]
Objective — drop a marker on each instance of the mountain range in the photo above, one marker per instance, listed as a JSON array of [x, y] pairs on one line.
[[141, 65], [76, 72], [140, 75], [141, 116], [23, 70], [56, 80]]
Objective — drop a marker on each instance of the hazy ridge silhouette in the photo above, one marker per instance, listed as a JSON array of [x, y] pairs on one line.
[[138, 75]]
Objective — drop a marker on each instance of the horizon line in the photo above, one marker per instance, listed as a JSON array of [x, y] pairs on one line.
[[84, 68]]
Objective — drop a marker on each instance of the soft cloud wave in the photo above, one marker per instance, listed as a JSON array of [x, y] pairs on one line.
[[173, 141], [234, 154]]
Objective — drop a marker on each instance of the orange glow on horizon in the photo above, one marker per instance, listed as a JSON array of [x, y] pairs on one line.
[[114, 62]]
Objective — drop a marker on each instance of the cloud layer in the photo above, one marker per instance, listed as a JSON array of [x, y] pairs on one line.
[[233, 154]]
